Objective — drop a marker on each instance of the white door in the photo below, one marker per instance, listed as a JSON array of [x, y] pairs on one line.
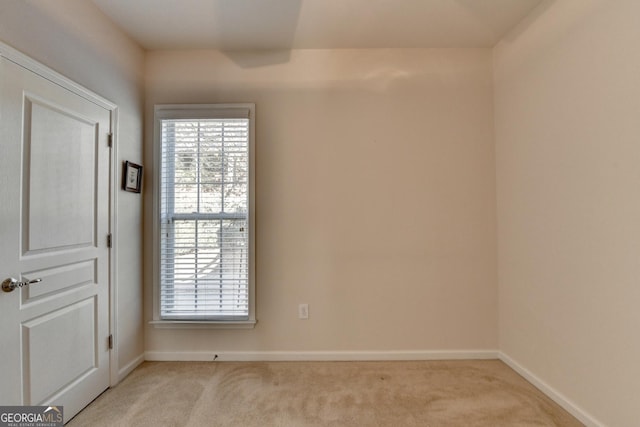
[[54, 221]]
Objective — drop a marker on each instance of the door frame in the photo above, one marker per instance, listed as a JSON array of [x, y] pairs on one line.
[[47, 73]]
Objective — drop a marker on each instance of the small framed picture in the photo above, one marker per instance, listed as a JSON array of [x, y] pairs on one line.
[[132, 177]]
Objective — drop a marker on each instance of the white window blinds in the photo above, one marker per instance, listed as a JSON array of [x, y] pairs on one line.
[[204, 218]]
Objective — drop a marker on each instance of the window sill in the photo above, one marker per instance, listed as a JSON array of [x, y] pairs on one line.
[[194, 324]]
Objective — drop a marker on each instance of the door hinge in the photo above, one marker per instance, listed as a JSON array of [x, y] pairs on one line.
[[109, 240], [110, 139], [111, 342]]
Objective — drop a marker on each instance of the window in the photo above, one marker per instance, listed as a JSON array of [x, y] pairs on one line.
[[205, 222]]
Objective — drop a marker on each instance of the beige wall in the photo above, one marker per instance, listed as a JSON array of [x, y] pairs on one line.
[[74, 38], [375, 196], [567, 95]]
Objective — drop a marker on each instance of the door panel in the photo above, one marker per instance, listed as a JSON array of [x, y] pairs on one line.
[[60, 176], [49, 368], [54, 220], [62, 278]]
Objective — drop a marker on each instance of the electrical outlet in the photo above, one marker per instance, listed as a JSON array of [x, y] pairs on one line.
[[303, 311]]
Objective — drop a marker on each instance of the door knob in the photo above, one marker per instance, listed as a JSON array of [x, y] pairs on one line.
[[10, 284]]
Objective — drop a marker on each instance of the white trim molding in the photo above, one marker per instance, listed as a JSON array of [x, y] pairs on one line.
[[44, 71], [582, 415], [122, 373], [320, 356], [173, 324], [165, 213]]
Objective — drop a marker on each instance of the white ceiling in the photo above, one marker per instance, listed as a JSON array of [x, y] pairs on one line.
[[287, 24]]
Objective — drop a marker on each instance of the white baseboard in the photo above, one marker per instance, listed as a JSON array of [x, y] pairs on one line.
[[552, 393], [291, 356], [122, 373]]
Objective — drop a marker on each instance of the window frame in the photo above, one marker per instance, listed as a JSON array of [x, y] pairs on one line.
[[201, 111]]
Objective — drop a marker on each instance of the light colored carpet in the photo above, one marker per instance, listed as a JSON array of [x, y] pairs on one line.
[[428, 394]]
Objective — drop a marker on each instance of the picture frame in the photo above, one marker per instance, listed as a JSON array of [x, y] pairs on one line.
[[132, 177]]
